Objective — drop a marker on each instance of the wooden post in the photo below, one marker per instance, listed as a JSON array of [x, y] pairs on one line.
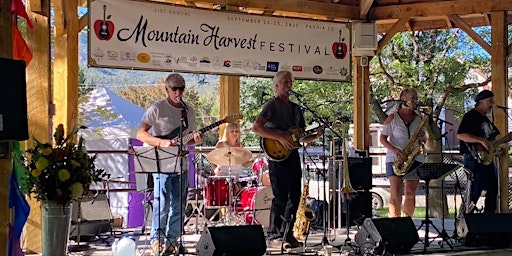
[[38, 102], [229, 97], [499, 73], [6, 22], [361, 85], [65, 75]]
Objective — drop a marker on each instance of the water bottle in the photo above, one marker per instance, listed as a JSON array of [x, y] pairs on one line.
[[125, 247], [114, 246]]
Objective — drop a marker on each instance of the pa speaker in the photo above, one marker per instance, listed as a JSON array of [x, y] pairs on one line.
[[487, 229], [13, 105], [359, 208], [90, 217], [232, 240], [359, 169], [390, 235]]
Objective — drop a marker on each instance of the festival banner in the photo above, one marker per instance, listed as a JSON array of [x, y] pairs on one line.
[[157, 36]]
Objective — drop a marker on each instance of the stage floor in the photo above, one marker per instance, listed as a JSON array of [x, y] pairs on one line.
[[314, 247]]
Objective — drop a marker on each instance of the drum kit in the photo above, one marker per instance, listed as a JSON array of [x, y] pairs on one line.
[[237, 194]]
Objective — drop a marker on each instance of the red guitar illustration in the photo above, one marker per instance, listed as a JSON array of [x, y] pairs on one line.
[[339, 49]]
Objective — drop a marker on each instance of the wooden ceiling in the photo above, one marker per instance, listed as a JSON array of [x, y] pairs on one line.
[[415, 14]]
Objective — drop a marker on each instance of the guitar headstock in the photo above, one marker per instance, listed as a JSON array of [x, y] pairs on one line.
[[232, 118]]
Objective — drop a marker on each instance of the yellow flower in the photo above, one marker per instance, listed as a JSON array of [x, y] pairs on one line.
[[45, 151], [75, 163], [36, 172], [42, 163], [63, 175], [76, 190]]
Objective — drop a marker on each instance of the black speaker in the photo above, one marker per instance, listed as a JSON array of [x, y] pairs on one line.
[[232, 240], [487, 229], [359, 169], [390, 235], [90, 217], [13, 106], [359, 207]]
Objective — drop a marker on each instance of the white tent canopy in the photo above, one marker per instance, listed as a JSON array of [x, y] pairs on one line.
[[108, 116]]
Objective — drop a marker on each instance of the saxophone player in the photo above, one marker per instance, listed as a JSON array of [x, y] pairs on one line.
[[400, 130]]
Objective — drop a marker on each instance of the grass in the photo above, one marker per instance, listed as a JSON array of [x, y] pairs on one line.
[[419, 212]]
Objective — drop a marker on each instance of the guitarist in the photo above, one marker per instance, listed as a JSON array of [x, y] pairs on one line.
[[476, 129], [160, 119], [278, 115]]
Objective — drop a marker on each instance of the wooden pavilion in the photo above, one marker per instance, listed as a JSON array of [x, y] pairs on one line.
[[52, 81]]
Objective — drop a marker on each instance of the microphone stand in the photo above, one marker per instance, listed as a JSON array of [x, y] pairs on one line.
[[181, 154], [323, 122]]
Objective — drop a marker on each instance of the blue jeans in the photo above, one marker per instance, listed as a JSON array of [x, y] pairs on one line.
[[166, 206], [484, 178]]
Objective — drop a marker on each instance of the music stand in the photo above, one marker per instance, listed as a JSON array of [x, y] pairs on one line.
[[428, 172]]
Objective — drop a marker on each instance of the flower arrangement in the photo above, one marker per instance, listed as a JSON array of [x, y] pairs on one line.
[[61, 172]]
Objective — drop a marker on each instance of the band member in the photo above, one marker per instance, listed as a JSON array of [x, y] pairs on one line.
[[279, 115], [395, 135], [160, 119], [476, 129], [231, 138]]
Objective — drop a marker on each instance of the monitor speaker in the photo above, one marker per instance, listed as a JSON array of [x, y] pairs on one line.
[[90, 217], [389, 235], [232, 240], [487, 229], [13, 106]]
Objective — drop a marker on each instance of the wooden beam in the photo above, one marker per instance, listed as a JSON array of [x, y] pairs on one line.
[[430, 23], [471, 33], [83, 21], [398, 26], [361, 81], [299, 6], [364, 6], [439, 8], [499, 73]]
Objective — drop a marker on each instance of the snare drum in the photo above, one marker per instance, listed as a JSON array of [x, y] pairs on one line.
[[259, 165], [255, 205], [217, 191]]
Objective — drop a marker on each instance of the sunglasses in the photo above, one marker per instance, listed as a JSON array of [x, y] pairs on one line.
[[182, 88]]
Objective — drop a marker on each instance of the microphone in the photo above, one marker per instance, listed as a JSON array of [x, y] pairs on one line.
[[183, 105], [296, 94], [501, 107]]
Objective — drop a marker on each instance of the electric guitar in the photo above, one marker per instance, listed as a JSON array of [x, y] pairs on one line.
[[275, 150], [486, 156], [190, 136]]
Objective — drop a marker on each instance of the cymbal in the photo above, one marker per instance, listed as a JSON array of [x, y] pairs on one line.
[[229, 156]]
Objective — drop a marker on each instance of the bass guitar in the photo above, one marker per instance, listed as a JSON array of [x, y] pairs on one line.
[[190, 136], [486, 156], [275, 150]]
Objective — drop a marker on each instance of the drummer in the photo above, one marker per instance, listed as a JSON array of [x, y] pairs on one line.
[[231, 138]]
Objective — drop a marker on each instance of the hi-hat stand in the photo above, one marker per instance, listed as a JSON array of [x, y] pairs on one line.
[[429, 172]]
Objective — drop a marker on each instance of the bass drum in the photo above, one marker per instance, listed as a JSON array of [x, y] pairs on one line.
[[255, 205]]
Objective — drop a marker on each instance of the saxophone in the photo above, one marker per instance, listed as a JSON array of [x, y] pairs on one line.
[[304, 214], [411, 150]]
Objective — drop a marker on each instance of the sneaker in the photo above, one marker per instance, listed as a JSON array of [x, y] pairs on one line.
[[157, 247], [274, 243], [294, 243]]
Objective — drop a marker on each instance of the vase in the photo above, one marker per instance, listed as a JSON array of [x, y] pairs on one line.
[[55, 221]]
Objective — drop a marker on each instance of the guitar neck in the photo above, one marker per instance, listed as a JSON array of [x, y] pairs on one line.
[[190, 136], [503, 139]]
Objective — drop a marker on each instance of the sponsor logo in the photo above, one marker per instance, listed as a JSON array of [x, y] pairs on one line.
[[297, 68], [318, 69], [272, 66]]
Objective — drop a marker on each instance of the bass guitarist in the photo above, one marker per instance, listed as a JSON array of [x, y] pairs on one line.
[[277, 117], [476, 134]]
